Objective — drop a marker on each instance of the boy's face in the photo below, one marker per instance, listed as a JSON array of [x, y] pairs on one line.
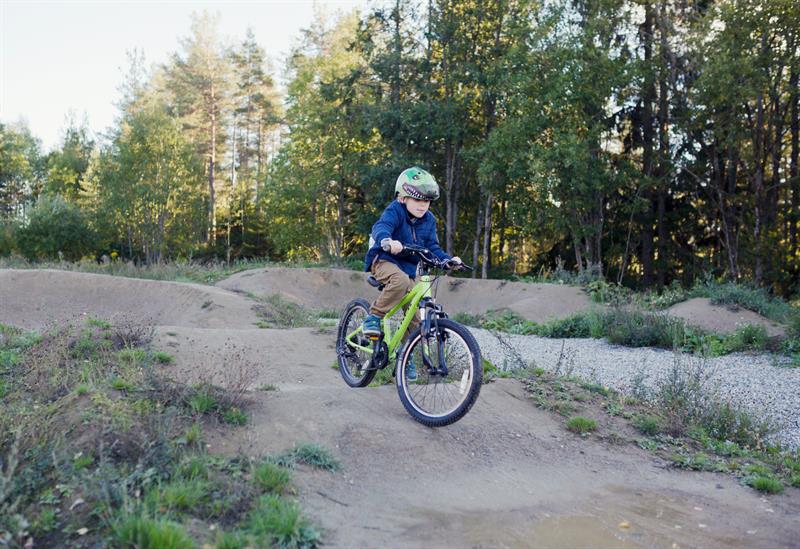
[[415, 207]]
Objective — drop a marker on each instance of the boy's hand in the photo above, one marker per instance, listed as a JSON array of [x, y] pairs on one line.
[[391, 246]]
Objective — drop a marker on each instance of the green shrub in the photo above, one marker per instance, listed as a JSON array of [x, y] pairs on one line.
[[278, 522], [234, 416], [638, 329], [271, 477], [231, 540], [601, 291], [581, 425], [98, 323], [8, 241], [194, 468], [766, 484], [202, 402], [749, 297], [747, 338], [55, 229], [163, 358], [647, 424], [577, 325], [131, 356], [137, 532], [316, 456], [179, 495], [724, 422], [121, 384]]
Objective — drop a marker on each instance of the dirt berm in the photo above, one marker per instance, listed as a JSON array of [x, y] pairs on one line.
[[333, 288], [507, 475]]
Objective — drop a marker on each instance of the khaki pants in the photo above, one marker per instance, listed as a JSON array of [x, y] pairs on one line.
[[398, 284]]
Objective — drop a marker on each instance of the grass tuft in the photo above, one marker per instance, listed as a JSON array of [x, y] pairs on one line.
[[315, 455], [163, 358], [179, 495], [581, 425], [766, 484], [277, 522], [234, 416], [647, 424], [272, 478], [137, 532]]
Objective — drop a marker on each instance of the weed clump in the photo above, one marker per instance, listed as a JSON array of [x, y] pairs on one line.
[[138, 532], [105, 430], [647, 424], [766, 484], [271, 477], [278, 522], [310, 454], [581, 425]]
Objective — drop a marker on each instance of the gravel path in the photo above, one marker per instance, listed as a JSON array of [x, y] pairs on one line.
[[753, 381]]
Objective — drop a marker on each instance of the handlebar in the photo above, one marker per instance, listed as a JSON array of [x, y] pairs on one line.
[[428, 258]]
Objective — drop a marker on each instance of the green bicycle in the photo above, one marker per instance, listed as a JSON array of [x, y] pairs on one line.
[[446, 355]]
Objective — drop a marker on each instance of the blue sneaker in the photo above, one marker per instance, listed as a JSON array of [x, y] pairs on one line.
[[371, 326], [411, 371]]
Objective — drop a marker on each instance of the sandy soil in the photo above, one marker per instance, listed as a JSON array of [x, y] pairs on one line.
[[718, 318], [33, 299], [507, 475], [333, 288]]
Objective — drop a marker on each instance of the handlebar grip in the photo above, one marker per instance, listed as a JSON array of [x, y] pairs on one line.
[[386, 245]]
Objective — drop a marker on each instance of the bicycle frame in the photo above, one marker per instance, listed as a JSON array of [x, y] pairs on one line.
[[421, 290]]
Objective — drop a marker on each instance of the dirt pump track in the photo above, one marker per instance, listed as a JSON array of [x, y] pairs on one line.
[[507, 475]]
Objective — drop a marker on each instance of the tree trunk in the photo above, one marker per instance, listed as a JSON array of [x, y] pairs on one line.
[[212, 161], [664, 155], [501, 255], [487, 235], [476, 240], [452, 184], [758, 189], [794, 181], [648, 98]]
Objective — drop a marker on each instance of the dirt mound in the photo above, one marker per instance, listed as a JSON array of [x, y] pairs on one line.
[[333, 288], [721, 318], [507, 475], [32, 299]]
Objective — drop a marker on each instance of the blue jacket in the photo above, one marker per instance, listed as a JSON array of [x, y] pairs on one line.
[[396, 223]]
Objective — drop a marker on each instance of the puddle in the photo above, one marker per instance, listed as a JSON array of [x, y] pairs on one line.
[[570, 532], [520, 529]]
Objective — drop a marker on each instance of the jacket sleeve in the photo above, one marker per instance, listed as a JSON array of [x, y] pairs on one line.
[[434, 246], [385, 226]]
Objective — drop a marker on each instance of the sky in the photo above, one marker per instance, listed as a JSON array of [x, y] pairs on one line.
[[68, 57]]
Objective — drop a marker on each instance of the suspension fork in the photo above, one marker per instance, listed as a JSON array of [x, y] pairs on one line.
[[430, 328]]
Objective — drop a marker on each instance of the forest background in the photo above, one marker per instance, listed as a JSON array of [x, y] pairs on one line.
[[650, 142]]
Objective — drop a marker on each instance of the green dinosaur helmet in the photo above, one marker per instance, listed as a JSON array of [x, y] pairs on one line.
[[417, 183]]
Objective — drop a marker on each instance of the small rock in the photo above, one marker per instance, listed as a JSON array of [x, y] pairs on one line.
[[82, 531], [624, 524]]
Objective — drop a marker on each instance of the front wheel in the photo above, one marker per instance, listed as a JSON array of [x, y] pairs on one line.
[[449, 374], [354, 360]]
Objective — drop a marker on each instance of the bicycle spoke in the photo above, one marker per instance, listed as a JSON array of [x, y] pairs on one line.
[[438, 395]]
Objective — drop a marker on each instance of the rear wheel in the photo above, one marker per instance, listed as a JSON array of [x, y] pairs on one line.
[[353, 362], [449, 374]]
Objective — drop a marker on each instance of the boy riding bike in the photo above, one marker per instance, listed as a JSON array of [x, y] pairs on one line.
[[406, 221]]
